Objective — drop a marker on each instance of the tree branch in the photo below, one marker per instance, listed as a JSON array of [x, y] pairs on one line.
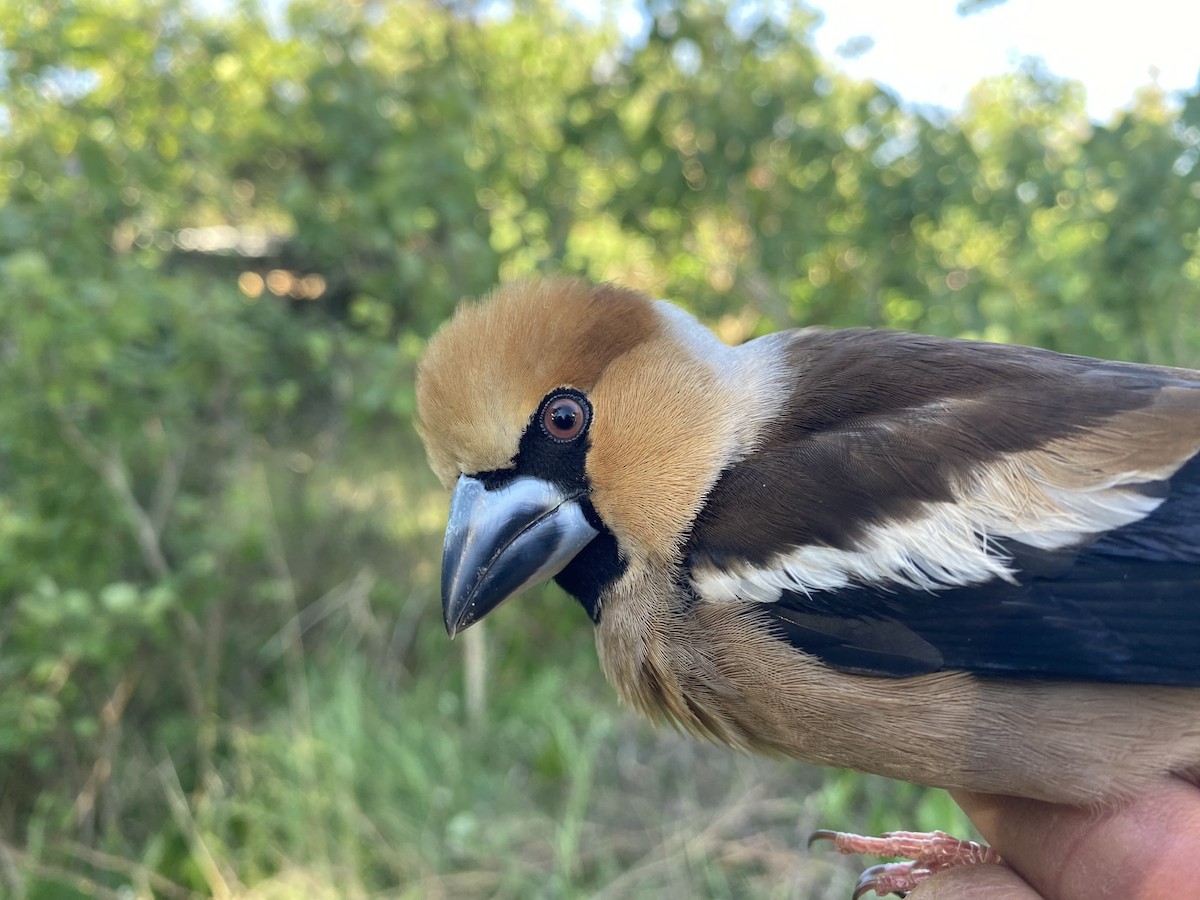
[[112, 470]]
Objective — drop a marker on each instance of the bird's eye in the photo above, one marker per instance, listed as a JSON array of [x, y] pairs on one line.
[[564, 418]]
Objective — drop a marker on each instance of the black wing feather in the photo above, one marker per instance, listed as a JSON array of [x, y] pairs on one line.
[[1124, 609]]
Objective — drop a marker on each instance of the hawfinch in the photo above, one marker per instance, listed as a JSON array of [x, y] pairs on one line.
[[960, 564]]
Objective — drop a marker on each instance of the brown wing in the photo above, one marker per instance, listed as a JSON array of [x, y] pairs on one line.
[[920, 494]]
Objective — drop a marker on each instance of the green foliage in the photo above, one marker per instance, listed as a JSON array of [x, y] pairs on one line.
[[221, 668]]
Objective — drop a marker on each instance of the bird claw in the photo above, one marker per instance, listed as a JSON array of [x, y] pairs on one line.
[[927, 853], [890, 878]]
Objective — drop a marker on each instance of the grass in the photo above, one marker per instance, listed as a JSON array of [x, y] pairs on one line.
[[366, 788], [558, 794]]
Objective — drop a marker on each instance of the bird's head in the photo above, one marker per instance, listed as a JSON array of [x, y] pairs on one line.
[[579, 427]]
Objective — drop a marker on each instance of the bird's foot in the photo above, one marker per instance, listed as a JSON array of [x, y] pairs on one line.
[[926, 853]]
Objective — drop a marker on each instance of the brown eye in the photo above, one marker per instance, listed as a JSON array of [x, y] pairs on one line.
[[564, 418]]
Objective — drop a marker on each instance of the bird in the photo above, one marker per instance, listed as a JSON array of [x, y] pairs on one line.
[[961, 564]]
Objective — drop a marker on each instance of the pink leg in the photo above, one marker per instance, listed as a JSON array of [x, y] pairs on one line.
[[927, 853]]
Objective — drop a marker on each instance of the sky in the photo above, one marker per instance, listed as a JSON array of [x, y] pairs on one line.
[[928, 54]]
